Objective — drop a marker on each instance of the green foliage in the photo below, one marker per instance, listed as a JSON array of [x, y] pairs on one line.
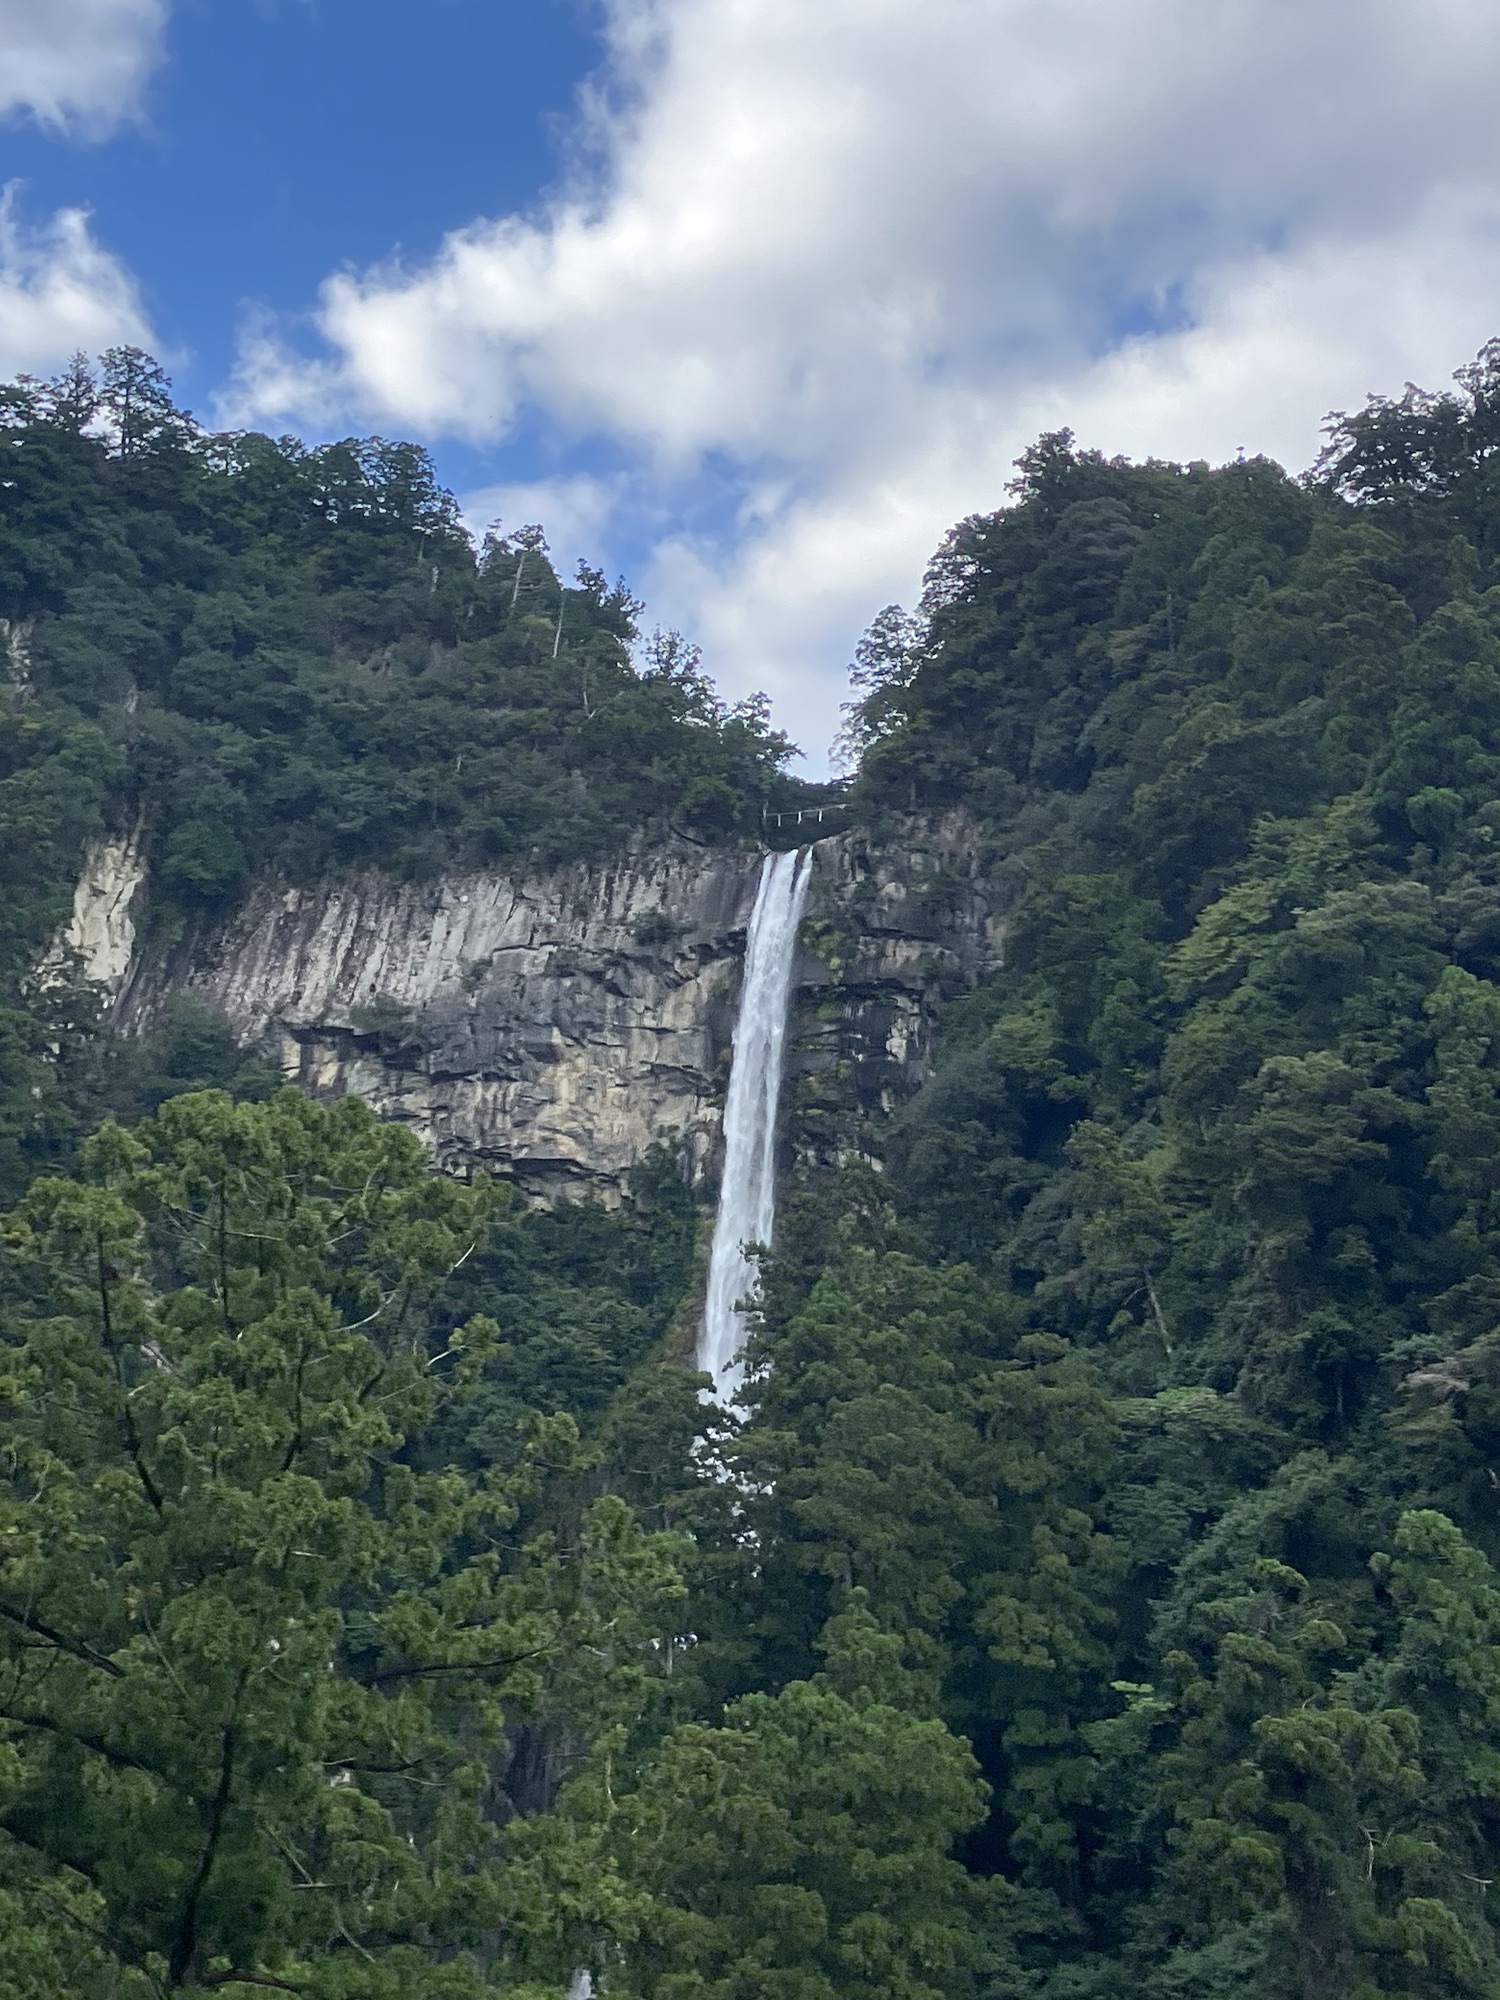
[[801, 1848], [257, 1665], [1227, 1125], [305, 664], [1096, 1593], [276, 658]]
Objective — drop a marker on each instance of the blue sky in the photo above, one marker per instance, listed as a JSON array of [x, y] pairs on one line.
[[754, 300], [278, 140]]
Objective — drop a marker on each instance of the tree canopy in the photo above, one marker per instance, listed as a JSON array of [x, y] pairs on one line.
[[275, 658], [1099, 1591]]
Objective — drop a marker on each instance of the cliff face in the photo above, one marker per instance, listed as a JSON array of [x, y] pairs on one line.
[[555, 1025], [97, 944]]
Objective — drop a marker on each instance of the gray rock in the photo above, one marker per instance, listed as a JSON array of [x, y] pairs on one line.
[[554, 1025]]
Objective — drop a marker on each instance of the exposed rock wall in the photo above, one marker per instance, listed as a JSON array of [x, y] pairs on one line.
[[554, 1025], [97, 944]]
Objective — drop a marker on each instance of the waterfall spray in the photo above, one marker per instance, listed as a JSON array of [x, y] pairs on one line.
[[747, 1193]]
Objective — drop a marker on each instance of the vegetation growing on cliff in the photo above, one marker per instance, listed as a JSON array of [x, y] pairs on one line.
[[274, 657], [1103, 1595]]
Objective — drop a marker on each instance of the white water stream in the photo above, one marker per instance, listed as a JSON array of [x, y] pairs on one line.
[[747, 1193]]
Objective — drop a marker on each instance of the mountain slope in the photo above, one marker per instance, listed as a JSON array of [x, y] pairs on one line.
[[1098, 1592]]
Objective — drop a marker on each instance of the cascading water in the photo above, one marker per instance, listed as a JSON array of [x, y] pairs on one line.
[[747, 1193]]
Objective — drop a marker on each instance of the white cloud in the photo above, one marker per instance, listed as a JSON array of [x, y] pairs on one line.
[[1279, 339], [839, 262], [271, 381], [61, 291], [78, 65], [1274, 343]]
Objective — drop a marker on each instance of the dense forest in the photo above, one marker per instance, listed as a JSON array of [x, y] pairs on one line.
[[1096, 1598], [276, 658]]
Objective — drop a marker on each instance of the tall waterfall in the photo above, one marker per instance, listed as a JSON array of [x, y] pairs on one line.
[[747, 1194]]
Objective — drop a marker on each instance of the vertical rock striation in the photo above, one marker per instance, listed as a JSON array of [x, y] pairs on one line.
[[555, 1024]]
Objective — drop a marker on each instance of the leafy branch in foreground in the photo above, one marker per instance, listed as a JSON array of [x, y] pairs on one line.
[[255, 1668]]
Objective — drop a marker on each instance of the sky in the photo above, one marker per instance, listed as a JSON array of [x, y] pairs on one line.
[[752, 299]]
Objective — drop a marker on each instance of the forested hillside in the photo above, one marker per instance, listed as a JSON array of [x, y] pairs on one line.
[[1098, 1597], [277, 658]]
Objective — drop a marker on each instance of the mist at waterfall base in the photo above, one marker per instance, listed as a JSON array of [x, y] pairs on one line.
[[747, 1192]]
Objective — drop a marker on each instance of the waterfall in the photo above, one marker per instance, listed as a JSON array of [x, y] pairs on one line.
[[747, 1194]]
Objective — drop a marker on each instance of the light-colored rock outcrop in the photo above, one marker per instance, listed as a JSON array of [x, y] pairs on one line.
[[97, 944], [15, 636], [555, 1024]]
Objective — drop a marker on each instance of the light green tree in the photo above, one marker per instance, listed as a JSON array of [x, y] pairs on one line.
[[255, 1669]]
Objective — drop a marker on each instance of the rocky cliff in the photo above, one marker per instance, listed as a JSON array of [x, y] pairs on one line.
[[553, 1025]]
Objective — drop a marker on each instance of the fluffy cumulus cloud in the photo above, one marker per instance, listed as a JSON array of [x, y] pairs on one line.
[[77, 65], [78, 68], [61, 291], [823, 270]]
